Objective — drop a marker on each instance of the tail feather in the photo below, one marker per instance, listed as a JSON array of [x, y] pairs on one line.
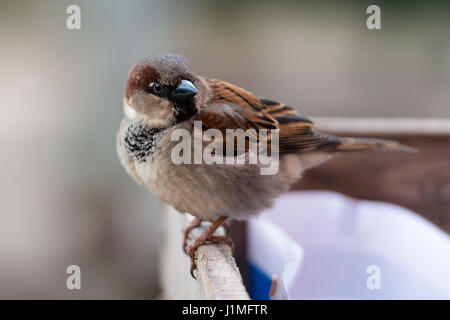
[[353, 144]]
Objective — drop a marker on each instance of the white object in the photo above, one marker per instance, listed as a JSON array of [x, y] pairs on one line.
[[273, 252], [353, 249]]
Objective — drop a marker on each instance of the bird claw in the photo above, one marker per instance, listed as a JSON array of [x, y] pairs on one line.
[[222, 239], [193, 267], [192, 225], [192, 272], [206, 237], [192, 249]]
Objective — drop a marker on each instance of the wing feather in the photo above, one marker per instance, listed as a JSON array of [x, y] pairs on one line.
[[232, 107]]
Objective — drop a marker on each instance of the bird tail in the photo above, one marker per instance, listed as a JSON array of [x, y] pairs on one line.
[[354, 144]]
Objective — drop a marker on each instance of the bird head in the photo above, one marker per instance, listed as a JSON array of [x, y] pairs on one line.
[[162, 90]]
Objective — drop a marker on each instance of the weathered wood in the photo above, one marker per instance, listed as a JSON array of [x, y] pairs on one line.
[[384, 126], [217, 275], [420, 182]]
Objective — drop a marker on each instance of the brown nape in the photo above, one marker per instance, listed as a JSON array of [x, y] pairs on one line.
[[139, 78]]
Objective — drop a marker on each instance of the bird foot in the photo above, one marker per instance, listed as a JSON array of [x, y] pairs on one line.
[[192, 248], [192, 225]]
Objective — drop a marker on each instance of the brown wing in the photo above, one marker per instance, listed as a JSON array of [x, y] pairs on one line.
[[232, 107]]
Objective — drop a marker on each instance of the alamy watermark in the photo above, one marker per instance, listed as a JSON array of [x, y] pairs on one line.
[[73, 21], [239, 147], [373, 282], [73, 281], [373, 22]]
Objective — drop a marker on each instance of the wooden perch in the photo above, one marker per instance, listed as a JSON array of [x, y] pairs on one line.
[[384, 126], [218, 277]]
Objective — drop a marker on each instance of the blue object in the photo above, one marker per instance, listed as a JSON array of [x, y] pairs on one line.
[[260, 283]]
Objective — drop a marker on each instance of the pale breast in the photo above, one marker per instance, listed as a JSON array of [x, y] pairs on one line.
[[137, 146], [206, 191]]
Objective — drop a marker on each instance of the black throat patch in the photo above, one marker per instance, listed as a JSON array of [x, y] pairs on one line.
[[140, 140], [185, 110]]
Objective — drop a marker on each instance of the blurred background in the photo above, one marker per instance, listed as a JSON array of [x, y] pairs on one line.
[[65, 198]]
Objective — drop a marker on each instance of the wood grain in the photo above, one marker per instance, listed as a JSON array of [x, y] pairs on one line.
[[218, 275]]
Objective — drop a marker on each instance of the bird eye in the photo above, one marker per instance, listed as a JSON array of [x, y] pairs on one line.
[[157, 88]]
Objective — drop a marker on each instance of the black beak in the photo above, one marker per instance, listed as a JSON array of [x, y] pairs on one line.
[[185, 90]]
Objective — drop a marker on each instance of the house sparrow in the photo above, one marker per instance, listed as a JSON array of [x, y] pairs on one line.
[[163, 95]]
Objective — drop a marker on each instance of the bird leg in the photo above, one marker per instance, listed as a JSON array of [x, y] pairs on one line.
[[207, 237], [192, 225]]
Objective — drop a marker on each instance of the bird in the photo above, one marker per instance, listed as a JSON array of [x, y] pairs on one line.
[[164, 96]]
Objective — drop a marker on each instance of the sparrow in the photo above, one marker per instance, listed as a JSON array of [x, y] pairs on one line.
[[163, 95]]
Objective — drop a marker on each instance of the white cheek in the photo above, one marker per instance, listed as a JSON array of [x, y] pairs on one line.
[[155, 122], [130, 113]]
